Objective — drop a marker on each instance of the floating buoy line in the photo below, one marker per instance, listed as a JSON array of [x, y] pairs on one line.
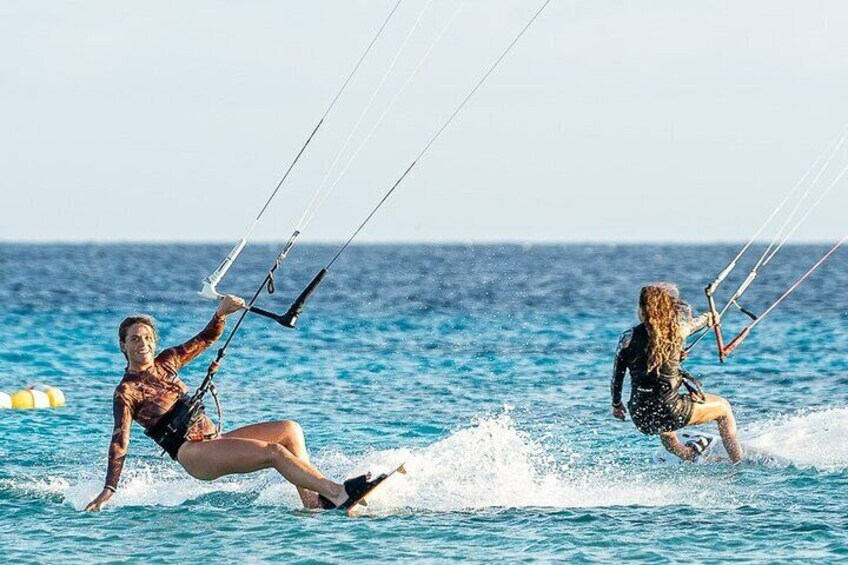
[[805, 196], [33, 397], [290, 317]]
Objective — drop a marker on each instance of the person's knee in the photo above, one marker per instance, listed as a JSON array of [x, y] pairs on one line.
[[292, 429], [726, 409], [292, 436], [277, 453]]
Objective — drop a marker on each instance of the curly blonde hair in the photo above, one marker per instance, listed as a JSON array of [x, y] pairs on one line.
[[664, 315]]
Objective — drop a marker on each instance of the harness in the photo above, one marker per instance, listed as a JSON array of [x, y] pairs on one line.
[[693, 386], [171, 431], [651, 383]]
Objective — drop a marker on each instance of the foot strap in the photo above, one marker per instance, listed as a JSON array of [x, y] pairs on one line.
[[699, 445], [356, 488]]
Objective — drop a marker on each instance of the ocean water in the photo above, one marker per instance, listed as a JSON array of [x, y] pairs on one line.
[[485, 368]]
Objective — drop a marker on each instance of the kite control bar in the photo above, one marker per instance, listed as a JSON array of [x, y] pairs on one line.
[[734, 343], [716, 317], [727, 349], [289, 319], [210, 291], [210, 283], [255, 310]]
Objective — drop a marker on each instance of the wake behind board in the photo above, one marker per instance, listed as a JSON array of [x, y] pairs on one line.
[[715, 452], [356, 508]]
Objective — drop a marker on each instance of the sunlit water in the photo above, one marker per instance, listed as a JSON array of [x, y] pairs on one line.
[[484, 368]]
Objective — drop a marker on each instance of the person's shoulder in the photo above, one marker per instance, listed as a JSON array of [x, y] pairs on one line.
[[639, 330], [124, 390], [165, 359], [625, 338]]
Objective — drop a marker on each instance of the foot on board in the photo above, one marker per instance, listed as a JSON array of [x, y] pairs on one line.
[[358, 489], [699, 445]]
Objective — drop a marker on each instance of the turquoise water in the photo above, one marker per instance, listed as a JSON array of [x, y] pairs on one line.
[[485, 368]]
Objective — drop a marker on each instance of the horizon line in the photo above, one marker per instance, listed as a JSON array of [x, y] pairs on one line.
[[464, 242]]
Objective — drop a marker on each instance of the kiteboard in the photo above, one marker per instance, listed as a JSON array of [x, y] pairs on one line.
[[714, 452], [356, 508]]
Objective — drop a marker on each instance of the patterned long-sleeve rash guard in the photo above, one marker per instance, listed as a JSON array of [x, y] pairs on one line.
[[146, 396]]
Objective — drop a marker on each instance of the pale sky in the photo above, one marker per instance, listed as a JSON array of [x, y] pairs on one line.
[[609, 121]]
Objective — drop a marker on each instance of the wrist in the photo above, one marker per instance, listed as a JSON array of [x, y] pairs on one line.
[[110, 489]]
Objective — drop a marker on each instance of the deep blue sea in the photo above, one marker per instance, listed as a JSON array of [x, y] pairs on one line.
[[484, 367]]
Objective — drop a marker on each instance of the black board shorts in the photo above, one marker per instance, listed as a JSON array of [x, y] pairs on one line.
[[654, 413]]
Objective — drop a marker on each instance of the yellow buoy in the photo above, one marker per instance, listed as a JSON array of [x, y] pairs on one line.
[[54, 395], [5, 400], [23, 399], [28, 398]]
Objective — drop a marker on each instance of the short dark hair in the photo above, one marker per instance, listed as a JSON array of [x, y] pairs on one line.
[[131, 321]]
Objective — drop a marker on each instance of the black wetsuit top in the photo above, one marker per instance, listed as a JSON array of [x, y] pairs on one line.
[[655, 404]]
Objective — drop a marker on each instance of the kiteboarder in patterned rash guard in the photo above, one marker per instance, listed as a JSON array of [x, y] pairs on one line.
[[652, 352], [149, 392]]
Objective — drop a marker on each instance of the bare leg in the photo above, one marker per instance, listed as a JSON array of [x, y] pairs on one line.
[[210, 459], [287, 433], [717, 409], [673, 446]]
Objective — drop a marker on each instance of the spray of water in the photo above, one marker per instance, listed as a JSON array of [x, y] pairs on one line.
[[808, 438], [804, 439], [491, 463]]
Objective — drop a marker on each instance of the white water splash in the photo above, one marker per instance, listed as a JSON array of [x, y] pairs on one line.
[[492, 464], [807, 438], [151, 485], [45, 487]]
